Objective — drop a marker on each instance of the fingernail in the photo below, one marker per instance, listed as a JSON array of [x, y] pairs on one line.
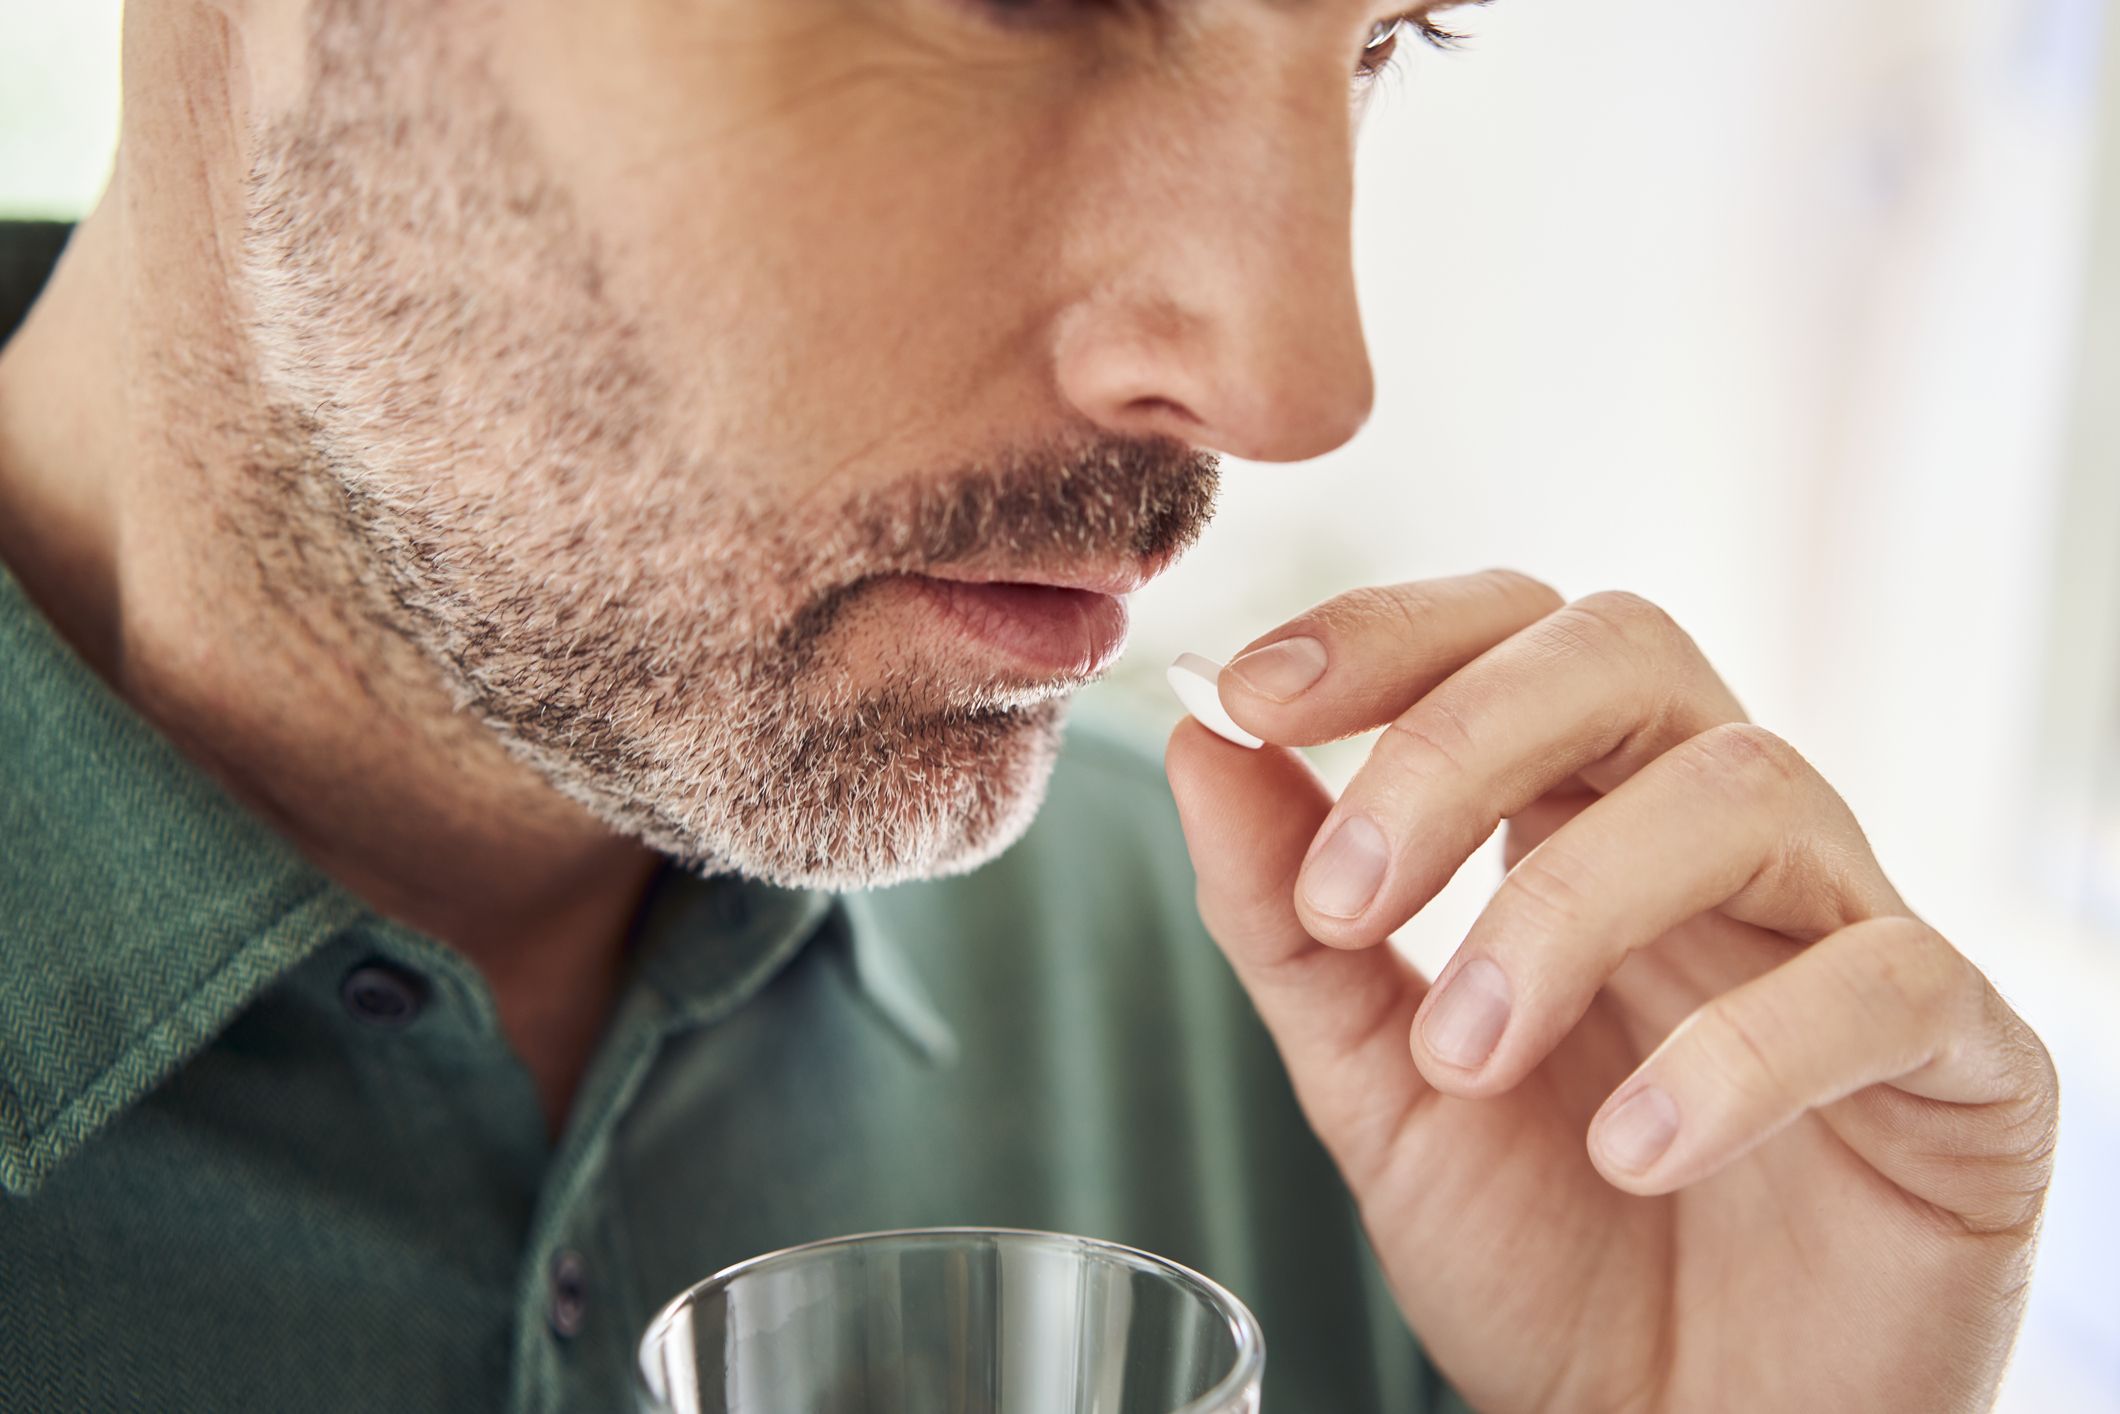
[[1342, 877], [1465, 1021], [1280, 670], [1637, 1133]]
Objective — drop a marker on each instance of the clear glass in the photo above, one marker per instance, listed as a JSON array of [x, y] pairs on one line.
[[954, 1321]]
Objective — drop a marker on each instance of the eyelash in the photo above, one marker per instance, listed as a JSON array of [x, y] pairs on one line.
[[1377, 60], [1371, 64]]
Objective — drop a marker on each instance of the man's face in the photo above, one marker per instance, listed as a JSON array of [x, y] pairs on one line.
[[662, 362]]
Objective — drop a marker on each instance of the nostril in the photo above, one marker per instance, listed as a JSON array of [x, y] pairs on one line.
[[1163, 408]]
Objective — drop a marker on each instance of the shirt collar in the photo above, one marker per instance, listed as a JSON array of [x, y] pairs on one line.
[[756, 929], [142, 908]]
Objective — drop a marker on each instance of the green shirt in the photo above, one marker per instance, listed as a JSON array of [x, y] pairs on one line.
[[264, 1149]]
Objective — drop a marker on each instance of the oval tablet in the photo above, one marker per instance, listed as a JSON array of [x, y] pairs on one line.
[[1193, 678]]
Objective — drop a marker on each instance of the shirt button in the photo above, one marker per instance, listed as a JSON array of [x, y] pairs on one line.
[[383, 994], [570, 1294]]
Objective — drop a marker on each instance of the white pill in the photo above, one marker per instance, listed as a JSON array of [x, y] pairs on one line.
[[1193, 678]]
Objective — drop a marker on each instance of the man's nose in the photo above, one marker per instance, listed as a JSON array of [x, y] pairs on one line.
[[1223, 311]]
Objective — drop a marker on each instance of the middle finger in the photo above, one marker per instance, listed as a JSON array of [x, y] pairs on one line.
[[1594, 690]]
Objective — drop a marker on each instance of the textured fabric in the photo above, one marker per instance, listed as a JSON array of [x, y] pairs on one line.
[[227, 1189], [114, 846]]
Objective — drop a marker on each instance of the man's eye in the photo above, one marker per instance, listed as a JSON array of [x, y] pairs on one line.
[[1382, 43], [1377, 49], [1384, 37]]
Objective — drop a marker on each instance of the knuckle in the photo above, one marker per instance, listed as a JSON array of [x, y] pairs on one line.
[[2037, 1083], [1641, 634], [1750, 761], [1629, 616], [1249, 938], [1432, 739], [2028, 1125], [1734, 1045], [1907, 967], [1517, 584], [1572, 630], [1919, 969], [2037, 1060], [1405, 608], [1554, 887], [1608, 631]]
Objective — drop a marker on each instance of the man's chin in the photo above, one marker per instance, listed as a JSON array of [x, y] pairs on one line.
[[858, 806]]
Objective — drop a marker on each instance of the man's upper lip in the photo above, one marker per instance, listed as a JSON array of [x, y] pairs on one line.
[[1119, 577]]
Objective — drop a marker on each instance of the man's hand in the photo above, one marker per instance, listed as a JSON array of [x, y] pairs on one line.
[[1700, 1116]]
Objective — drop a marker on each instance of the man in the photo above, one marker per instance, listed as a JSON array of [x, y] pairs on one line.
[[520, 513]]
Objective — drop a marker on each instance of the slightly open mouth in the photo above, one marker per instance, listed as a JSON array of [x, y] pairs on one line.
[[1051, 630]]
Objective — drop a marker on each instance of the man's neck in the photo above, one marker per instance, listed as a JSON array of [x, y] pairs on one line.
[[128, 422]]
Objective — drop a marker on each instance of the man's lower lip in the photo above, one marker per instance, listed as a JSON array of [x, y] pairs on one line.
[[1050, 629]]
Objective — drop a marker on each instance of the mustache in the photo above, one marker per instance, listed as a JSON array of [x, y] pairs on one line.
[[1145, 499], [1112, 498]]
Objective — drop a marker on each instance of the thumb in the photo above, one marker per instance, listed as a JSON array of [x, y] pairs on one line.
[[1342, 1019]]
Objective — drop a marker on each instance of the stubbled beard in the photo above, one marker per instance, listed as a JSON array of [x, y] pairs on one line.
[[469, 444]]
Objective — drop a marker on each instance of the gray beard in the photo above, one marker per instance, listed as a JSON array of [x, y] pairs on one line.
[[648, 633]]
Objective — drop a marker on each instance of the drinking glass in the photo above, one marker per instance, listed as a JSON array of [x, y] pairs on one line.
[[958, 1320]]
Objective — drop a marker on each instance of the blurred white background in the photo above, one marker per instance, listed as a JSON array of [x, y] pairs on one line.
[[1798, 318]]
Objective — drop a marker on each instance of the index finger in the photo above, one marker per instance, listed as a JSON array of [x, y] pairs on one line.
[[1362, 658]]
